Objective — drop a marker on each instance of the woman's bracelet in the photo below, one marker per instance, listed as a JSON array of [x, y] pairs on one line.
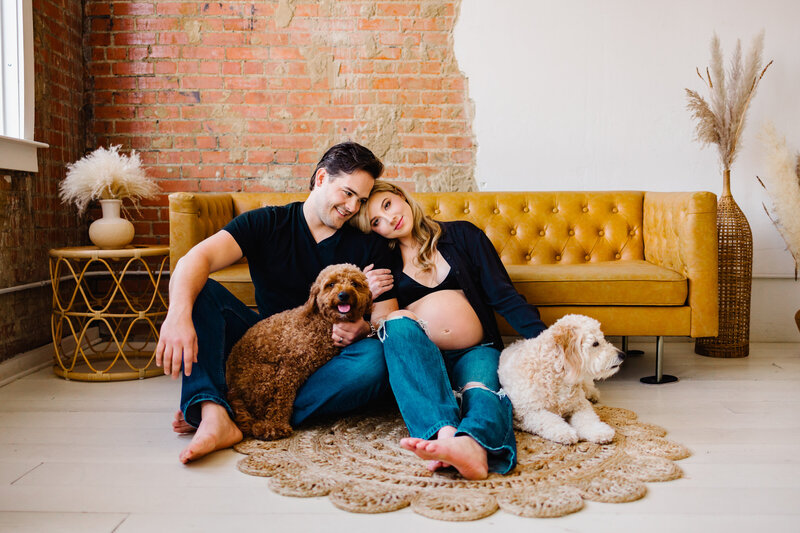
[[372, 330]]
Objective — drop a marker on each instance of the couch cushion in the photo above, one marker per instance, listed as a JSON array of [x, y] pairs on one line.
[[600, 283], [236, 278]]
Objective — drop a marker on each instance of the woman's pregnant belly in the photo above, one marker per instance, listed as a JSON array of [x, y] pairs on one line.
[[452, 323]]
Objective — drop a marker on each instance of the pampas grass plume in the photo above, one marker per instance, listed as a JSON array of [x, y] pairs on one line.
[[106, 174], [782, 182], [721, 118]]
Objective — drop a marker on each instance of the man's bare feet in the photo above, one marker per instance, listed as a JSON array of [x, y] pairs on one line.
[[463, 452], [216, 432], [180, 425]]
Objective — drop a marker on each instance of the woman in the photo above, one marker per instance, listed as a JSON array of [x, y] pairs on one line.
[[449, 281]]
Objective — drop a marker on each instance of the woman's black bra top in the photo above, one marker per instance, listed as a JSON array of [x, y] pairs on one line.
[[410, 290]]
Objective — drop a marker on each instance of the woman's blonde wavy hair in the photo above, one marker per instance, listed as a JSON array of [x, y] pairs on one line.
[[425, 230]]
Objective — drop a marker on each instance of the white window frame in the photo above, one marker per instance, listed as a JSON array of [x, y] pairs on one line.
[[18, 149]]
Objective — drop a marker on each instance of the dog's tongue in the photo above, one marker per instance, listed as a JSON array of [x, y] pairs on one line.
[[343, 308]]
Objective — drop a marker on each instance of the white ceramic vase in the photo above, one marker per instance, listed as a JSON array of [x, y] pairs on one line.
[[111, 231]]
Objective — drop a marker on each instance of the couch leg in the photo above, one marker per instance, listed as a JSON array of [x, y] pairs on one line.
[[660, 377], [629, 353]]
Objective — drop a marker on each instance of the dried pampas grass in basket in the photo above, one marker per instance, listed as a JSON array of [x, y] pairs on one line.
[[782, 182], [106, 174], [720, 121]]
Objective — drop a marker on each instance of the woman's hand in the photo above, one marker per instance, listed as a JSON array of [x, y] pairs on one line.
[[380, 280]]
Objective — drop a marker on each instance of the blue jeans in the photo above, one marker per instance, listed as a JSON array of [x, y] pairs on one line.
[[355, 378], [423, 379]]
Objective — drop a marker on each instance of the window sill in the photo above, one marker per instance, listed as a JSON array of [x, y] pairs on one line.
[[19, 154]]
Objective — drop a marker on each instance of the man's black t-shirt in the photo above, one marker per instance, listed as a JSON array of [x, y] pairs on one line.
[[284, 259]]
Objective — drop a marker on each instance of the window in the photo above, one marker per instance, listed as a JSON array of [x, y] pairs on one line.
[[17, 147]]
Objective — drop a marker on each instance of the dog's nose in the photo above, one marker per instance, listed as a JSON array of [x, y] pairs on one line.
[[343, 296], [621, 355]]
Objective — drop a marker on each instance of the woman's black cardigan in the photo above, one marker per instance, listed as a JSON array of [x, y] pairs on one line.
[[484, 280]]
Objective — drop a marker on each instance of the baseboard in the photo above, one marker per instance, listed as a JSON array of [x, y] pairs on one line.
[[25, 363], [34, 360]]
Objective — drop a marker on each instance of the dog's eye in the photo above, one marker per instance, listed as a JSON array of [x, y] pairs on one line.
[[596, 344], [331, 284], [356, 284]]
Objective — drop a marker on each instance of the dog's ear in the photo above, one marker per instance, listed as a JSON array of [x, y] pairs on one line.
[[310, 307], [569, 340]]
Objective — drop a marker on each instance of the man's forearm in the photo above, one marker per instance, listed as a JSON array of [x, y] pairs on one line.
[[186, 282]]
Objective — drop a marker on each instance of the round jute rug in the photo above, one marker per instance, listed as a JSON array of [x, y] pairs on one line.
[[358, 463]]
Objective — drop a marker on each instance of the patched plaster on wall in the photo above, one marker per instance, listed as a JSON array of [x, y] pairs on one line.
[[285, 13], [379, 122]]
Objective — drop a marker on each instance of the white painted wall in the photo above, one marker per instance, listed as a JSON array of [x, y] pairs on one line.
[[588, 95]]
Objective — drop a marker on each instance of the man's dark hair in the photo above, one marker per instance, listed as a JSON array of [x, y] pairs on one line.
[[347, 157]]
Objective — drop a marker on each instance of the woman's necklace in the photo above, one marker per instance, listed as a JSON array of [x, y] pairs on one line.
[[430, 277]]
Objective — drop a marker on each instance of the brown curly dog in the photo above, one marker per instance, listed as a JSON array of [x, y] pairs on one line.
[[275, 357]]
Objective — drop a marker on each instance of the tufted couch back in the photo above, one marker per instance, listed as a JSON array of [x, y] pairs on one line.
[[543, 228], [526, 228]]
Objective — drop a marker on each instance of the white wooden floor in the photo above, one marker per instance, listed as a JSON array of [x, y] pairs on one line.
[[101, 457]]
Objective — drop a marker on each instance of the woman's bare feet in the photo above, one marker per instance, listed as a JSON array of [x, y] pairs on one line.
[[444, 433], [463, 452], [180, 425], [215, 432]]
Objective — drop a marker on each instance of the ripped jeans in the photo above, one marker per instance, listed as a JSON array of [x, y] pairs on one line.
[[423, 379]]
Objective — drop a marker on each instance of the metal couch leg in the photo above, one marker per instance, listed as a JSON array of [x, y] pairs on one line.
[[659, 378], [629, 353]]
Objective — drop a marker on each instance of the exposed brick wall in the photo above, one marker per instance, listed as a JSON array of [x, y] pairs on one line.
[[221, 96], [245, 95], [32, 218]]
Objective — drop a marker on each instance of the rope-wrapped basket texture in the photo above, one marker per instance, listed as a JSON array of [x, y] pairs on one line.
[[735, 284]]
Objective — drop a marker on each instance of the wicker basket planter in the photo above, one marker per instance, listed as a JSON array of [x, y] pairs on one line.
[[735, 281]]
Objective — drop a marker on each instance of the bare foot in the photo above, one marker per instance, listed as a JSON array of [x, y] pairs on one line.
[[463, 452], [180, 425], [444, 433], [216, 432]]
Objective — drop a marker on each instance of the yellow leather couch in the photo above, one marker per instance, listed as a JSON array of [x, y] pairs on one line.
[[642, 263]]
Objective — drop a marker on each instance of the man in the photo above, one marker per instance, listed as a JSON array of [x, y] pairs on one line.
[[286, 247]]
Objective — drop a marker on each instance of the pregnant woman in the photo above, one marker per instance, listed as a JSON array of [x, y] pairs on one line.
[[449, 281]]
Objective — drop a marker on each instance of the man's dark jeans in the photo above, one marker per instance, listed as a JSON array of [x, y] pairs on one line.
[[355, 378]]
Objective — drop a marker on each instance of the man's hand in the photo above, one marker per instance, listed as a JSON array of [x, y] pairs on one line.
[[346, 333], [177, 342], [178, 339], [380, 280]]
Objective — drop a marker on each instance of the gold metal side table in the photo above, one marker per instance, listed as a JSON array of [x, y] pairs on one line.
[[119, 292]]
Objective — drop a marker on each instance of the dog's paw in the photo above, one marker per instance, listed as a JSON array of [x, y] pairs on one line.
[[562, 435], [599, 433]]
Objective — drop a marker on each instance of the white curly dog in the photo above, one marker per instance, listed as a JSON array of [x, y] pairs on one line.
[[549, 378]]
